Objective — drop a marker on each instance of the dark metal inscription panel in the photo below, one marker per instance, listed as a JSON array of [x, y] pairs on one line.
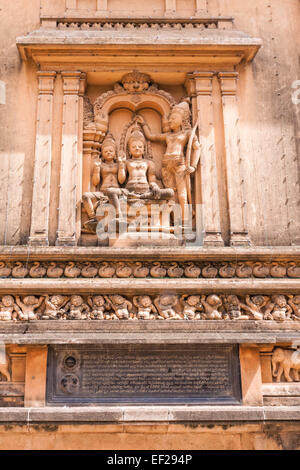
[[143, 374]]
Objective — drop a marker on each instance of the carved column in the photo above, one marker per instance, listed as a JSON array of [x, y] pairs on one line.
[[42, 164], [70, 165], [101, 6], [199, 86], [71, 4], [170, 7], [201, 7], [238, 228]]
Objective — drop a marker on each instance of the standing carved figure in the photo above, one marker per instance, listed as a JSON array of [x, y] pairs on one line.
[[176, 166]]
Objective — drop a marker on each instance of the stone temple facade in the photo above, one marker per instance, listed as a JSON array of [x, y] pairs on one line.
[[149, 225]]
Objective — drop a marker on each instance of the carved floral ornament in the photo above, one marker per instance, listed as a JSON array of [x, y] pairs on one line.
[[168, 306]]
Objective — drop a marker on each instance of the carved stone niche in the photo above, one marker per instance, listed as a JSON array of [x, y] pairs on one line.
[[140, 157]]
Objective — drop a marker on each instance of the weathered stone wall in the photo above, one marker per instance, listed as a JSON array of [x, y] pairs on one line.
[[205, 436]]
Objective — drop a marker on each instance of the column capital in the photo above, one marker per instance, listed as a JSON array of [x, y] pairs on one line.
[[71, 82], [82, 84], [46, 82], [228, 82], [199, 83]]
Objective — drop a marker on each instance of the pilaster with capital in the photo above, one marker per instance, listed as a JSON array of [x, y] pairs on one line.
[[236, 200], [70, 161], [199, 86], [42, 163]]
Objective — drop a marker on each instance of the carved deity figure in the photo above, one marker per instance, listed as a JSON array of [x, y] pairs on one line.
[[76, 309], [146, 309], [8, 308], [28, 306], [294, 302], [54, 306], [98, 307], [255, 305], [177, 164], [211, 306], [192, 306], [121, 306], [165, 305], [278, 309], [139, 172], [106, 172], [232, 306]]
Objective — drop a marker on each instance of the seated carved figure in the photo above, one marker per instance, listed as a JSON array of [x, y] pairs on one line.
[[139, 172], [106, 172]]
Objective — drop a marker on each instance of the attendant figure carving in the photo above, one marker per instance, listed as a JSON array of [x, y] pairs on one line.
[[192, 307], [177, 165], [28, 306], [146, 309]]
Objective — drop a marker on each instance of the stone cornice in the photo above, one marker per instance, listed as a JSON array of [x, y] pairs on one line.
[[66, 253], [171, 47], [150, 332]]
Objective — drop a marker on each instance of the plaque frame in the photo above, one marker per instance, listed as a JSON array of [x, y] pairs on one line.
[[62, 351]]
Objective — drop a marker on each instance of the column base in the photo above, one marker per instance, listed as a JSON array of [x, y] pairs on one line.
[[66, 241], [213, 239], [240, 239], [38, 241]]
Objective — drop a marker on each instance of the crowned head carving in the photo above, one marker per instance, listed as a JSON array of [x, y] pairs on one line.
[[136, 82], [109, 148], [136, 142], [180, 116]]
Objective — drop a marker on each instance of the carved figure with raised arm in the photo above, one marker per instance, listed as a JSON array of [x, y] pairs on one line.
[[182, 152]]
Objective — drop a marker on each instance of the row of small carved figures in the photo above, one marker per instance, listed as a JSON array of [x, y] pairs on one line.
[[155, 269], [136, 25], [144, 307]]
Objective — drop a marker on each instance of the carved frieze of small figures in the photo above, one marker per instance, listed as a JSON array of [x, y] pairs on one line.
[[166, 306]]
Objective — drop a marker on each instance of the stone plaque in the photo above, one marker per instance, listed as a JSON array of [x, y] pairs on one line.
[[143, 374]]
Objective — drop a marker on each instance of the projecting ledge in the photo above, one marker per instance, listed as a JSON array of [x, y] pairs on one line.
[[150, 332], [148, 414]]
